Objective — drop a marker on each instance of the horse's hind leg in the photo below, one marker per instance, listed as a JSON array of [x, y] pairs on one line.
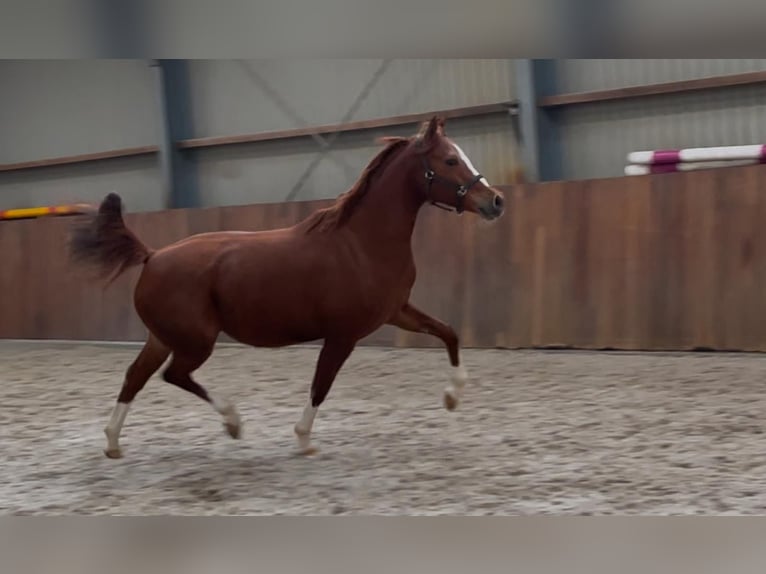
[[144, 366], [179, 373]]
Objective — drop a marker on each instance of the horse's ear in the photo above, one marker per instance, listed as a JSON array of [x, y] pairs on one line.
[[434, 128]]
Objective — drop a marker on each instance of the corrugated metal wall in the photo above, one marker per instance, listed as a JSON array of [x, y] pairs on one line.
[[69, 107], [54, 108], [266, 172], [597, 137], [228, 98], [232, 97], [586, 75]]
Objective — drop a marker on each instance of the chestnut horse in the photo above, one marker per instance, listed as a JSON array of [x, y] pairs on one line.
[[336, 276]]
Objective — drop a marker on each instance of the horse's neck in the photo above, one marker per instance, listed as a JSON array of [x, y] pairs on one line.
[[386, 217]]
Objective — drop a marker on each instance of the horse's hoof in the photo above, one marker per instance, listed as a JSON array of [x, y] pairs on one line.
[[305, 448], [450, 402], [234, 431], [113, 453]]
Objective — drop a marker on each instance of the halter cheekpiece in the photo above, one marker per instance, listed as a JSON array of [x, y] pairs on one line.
[[461, 192]]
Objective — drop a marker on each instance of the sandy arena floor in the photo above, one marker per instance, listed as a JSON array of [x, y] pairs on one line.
[[557, 432]]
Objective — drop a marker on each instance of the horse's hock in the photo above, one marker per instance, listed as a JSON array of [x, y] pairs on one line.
[[536, 432]]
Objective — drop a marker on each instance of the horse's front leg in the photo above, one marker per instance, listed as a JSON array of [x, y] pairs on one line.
[[331, 358], [412, 319]]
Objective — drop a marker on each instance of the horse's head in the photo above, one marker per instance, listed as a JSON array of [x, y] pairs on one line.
[[451, 179]]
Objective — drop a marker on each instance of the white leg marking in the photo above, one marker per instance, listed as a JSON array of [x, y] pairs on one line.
[[229, 413], [113, 429], [303, 429], [468, 163], [454, 390]]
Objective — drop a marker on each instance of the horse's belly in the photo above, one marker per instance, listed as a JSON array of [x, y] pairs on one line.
[[264, 334], [269, 322], [260, 337], [283, 300]]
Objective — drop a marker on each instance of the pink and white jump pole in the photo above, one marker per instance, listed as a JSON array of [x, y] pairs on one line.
[[695, 154], [673, 160]]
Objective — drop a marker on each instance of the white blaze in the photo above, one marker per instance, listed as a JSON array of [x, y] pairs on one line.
[[468, 163]]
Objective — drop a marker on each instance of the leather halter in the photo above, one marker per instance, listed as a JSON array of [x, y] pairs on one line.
[[461, 191]]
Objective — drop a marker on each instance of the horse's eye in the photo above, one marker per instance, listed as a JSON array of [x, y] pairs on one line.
[[451, 161]]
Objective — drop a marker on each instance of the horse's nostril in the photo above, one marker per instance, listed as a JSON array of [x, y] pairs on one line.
[[498, 201]]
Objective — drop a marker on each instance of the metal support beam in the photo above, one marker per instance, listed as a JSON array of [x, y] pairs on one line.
[[179, 167], [540, 137]]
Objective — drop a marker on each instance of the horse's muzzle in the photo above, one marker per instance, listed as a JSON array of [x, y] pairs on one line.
[[493, 208]]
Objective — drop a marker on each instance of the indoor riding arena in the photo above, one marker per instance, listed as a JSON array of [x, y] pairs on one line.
[[612, 322]]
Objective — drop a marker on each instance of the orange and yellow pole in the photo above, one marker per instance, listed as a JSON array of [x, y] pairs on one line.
[[30, 212]]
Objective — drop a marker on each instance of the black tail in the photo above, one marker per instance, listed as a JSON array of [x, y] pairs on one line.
[[104, 243]]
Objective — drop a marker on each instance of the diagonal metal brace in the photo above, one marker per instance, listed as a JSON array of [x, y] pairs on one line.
[[289, 111], [334, 136]]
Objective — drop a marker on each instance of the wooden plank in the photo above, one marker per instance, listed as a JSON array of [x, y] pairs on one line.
[[500, 285], [579, 208], [492, 282], [681, 86], [387, 122], [744, 274], [668, 285], [36, 293], [549, 242], [564, 225], [520, 220], [538, 280], [604, 262], [616, 234], [81, 158], [700, 249], [654, 262], [755, 256], [13, 276], [639, 255], [736, 206], [55, 318]]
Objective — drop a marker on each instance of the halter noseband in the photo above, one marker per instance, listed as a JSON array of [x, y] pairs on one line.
[[462, 189]]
